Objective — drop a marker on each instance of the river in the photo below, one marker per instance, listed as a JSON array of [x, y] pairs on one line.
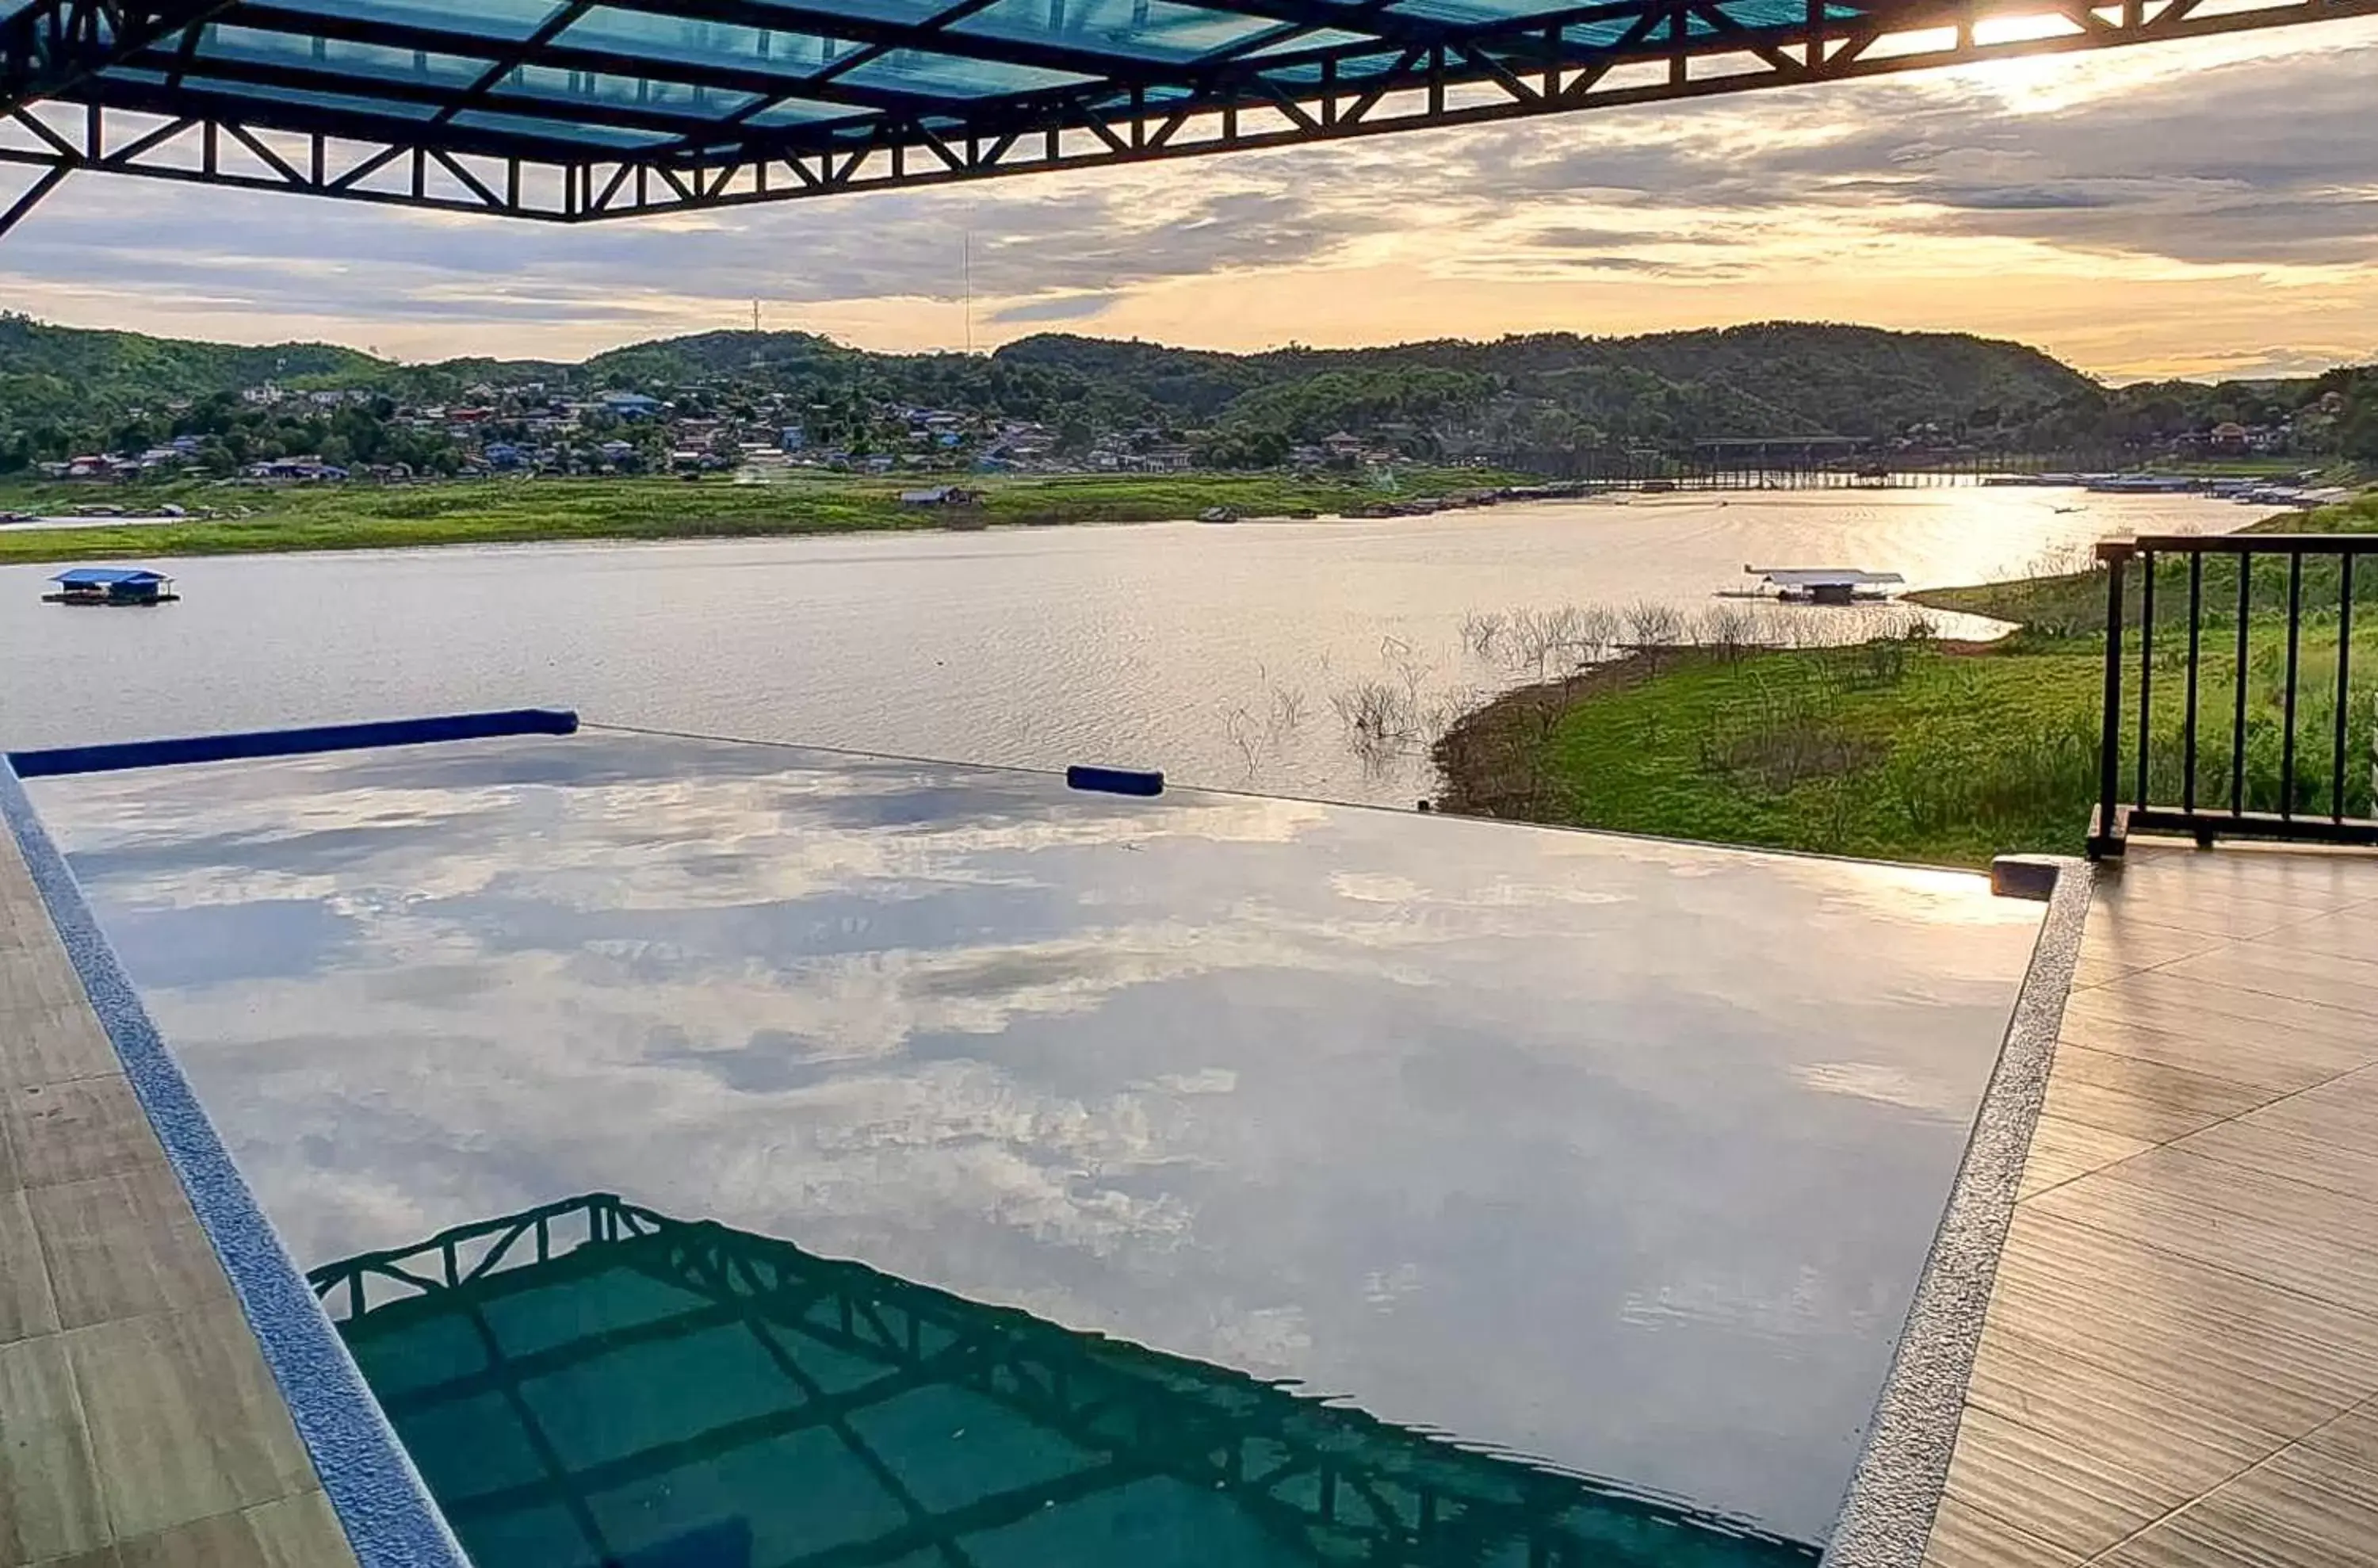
[[1219, 653]]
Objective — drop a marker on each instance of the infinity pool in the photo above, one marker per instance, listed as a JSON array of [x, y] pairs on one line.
[[1605, 1161]]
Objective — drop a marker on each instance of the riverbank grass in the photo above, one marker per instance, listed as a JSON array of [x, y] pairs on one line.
[[545, 510], [1912, 749]]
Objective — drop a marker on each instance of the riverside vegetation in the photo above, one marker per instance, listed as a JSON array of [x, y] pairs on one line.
[[548, 510], [1907, 746]]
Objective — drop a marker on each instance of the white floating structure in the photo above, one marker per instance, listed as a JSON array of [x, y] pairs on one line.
[[1825, 585]]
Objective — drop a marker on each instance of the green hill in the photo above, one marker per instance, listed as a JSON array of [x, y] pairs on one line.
[[1516, 395], [66, 373]]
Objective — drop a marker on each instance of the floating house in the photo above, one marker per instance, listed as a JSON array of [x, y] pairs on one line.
[[1826, 584], [112, 584]]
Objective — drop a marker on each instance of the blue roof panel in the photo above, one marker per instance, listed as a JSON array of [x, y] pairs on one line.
[[106, 576], [370, 62], [680, 40], [559, 88], [1138, 30], [515, 21], [955, 76], [560, 129]]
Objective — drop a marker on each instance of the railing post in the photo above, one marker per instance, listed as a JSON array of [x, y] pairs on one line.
[[2288, 698], [2146, 669], [2344, 686], [2105, 835], [2195, 648]]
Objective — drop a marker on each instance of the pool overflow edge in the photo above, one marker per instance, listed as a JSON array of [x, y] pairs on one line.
[[1894, 1493]]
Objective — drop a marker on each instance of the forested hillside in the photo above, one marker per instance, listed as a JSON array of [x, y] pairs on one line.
[[63, 388]]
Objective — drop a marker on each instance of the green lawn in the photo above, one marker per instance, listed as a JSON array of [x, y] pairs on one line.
[[1918, 751], [516, 511]]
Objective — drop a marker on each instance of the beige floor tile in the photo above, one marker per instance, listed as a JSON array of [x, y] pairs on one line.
[[2344, 1111], [53, 1046], [2309, 1158], [2062, 1149], [300, 1531], [2125, 946], [2309, 881], [2141, 1098], [26, 1308], [2301, 1510], [2220, 1053], [1964, 1536], [37, 976], [2093, 1290], [2160, 999], [2185, 1442], [2351, 1438], [2180, 1362], [2278, 969], [295, 1532], [227, 1540], [2047, 1490], [49, 1497], [2174, 907], [2285, 1250], [2348, 933], [185, 1421], [76, 1132], [123, 1246]]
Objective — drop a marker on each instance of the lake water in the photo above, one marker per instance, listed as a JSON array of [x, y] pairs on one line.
[[1213, 653]]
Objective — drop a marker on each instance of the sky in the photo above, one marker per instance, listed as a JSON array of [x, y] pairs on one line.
[[2203, 208]]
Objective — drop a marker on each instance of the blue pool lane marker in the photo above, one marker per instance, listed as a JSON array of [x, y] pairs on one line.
[[1115, 780], [292, 743]]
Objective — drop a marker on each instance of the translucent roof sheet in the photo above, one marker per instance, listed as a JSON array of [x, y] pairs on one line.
[[699, 85], [674, 40], [511, 20], [1149, 29]]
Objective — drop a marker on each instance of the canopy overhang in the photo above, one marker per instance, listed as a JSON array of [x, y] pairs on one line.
[[572, 109]]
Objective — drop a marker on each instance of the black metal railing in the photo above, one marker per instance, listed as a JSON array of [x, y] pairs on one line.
[[2243, 718]]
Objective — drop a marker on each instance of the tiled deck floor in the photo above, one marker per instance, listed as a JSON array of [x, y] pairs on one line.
[[138, 1427], [2181, 1360]]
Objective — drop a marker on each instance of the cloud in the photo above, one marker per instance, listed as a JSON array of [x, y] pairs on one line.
[[2232, 160], [1059, 307]]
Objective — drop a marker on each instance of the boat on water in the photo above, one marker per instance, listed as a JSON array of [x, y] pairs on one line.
[[1817, 584], [111, 585]]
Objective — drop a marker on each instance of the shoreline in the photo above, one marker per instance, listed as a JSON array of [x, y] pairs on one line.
[[590, 512]]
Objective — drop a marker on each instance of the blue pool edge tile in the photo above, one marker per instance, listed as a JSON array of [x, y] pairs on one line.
[[378, 1496], [1894, 1493]]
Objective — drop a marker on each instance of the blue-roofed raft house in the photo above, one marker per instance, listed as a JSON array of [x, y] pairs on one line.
[[112, 584]]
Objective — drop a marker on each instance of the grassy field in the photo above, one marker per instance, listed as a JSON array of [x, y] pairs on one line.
[[521, 510], [1915, 749]]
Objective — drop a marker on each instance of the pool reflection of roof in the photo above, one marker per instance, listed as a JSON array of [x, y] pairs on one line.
[[590, 1383]]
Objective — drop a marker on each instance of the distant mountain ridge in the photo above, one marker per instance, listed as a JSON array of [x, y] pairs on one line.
[[1537, 391]]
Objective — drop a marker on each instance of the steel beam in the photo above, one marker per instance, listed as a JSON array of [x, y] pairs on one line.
[[53, 46], [1434, 75], [50, 180]]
